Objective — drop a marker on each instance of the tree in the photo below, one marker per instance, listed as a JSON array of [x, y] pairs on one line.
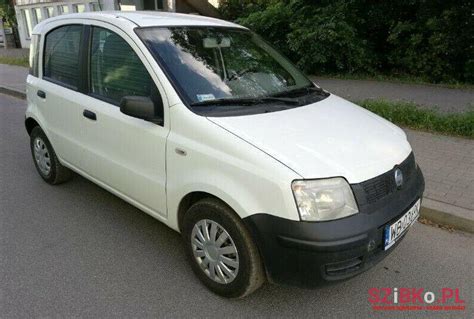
[[430, 39], [7, 13]]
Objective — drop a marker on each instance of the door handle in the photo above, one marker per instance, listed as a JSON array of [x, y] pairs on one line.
[[41, 94], [90, 115]]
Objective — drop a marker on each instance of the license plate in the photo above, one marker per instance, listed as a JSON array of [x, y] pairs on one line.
[[394, 231]]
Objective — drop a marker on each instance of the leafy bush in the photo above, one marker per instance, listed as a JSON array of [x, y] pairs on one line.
[[272, 23], [326, 40], [437, 42], [432, 40], [234, 9]]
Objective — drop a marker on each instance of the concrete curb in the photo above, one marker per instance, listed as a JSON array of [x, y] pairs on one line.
[[446, 214], [12, 92], [447, 219], [437, 212]]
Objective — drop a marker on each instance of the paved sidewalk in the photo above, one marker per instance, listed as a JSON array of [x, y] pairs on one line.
[[12, 79], [448, 166], [444, 100]]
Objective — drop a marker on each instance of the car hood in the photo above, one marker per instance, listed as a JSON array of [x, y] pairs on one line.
[[332, 137]]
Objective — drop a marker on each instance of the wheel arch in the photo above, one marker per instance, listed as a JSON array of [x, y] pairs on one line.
[[30, 124], [191, 198], [241, 198]]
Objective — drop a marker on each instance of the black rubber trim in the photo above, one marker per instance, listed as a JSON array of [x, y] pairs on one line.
[[321, 245], [84, 55]]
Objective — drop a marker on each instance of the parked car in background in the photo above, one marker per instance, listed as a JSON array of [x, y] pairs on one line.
[[204, 126]]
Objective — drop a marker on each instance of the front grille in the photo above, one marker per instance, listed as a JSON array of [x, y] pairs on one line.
[[383, 185]]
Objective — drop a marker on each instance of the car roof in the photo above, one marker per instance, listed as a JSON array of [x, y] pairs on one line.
[[143, 19]]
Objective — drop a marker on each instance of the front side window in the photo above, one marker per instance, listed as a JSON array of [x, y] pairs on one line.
[[116, 71], [210, 64], [61, 55]]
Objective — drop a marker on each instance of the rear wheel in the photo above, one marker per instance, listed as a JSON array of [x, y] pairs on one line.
[[45, 159], [221, 250]]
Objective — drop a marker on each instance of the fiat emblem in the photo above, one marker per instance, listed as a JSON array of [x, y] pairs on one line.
[[398, 177]]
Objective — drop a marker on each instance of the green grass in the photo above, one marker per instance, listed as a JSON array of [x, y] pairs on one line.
[[21, 61], [409, 115], [406, 79]]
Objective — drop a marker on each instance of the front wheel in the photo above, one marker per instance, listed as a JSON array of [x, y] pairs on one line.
[[221, 250]]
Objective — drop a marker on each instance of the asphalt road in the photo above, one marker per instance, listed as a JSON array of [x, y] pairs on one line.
[[75, 250]]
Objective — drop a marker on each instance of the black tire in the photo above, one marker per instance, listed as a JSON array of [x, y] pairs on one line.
[[57, 173], [251, 274]]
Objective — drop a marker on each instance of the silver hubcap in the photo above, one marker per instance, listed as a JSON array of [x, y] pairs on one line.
[[42, 157], [215, 251]]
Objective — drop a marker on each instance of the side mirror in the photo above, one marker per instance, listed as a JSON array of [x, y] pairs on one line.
[[141, 107]]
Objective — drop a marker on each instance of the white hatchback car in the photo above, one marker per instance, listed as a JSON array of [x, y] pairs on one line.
[[203, 125]]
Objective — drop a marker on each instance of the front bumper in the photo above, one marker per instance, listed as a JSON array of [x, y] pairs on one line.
[[310, 254]]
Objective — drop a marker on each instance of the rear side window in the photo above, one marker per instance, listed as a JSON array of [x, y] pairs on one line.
[[61, 55], [34, 54], [116, 71]]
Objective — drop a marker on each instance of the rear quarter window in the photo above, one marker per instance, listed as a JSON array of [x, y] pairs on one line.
[[61, 55], [34, 54]]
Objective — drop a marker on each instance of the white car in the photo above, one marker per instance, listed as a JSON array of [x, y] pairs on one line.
[[204, 126]]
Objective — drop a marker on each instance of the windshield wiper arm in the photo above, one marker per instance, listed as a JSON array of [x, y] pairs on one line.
[[259, 100]]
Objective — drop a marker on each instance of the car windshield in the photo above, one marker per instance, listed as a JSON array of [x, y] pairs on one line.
[[215, 65]]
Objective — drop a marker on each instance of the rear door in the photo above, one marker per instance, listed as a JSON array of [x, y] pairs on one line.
[[125, 154], [57, 91]]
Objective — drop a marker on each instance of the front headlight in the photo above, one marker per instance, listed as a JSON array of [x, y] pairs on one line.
[[324, 199]]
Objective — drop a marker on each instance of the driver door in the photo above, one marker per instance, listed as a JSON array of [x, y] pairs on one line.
[[125, 154]]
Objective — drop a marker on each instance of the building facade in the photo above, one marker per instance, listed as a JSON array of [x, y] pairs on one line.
[[31, 12]]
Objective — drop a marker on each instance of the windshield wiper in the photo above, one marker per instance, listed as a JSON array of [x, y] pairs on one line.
[[236, 101], [306, 89]]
